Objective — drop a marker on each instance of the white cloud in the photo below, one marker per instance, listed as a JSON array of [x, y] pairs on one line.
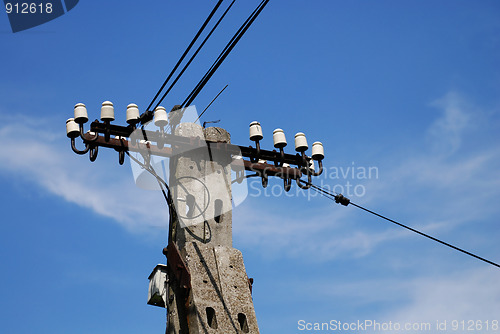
[[436, 192], [472, 294], [452, 181], [332, 232], [443, 189], [467, 295], [439, 188], [45, 159], [445, 134]]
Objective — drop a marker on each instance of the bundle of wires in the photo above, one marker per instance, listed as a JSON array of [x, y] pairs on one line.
[[148, 114]]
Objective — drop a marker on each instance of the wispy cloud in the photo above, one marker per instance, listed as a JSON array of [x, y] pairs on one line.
[[468, 295], [439, 186], [464, 294], [44, 158], [445, 134], [331, 233], [450, 178]]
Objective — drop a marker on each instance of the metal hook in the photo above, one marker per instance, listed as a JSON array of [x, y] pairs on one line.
[[307, 185], [287, 180], [304, 159], [320, 169], [161, 138], [257, 155], [264, 180], [92, 139], [77, 151], [121, 152], [107, 133], [279, 162], [93, 153], [287, 184], [121, 157]]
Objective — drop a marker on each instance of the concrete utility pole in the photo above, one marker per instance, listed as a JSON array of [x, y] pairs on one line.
[[204, 285], [208, 288]]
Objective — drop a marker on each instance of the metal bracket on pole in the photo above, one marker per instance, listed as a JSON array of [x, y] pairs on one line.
[[176, 263]]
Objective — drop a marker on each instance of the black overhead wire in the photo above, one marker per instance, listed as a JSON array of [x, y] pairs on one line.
[[148, 112], [338, 198], [167, 195], [186, 51], [215, 98], [225, 52], [194, 55], [163, 185]]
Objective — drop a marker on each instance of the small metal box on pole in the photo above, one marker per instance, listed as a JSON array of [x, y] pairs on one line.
[[157, 294]]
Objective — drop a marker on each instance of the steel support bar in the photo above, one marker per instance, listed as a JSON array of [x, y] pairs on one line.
[[158, 137], [260, 168]]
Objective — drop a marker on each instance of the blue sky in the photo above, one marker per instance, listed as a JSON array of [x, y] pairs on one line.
[[410, 88]]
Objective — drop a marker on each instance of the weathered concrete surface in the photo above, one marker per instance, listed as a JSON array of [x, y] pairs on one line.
[[219, 300]]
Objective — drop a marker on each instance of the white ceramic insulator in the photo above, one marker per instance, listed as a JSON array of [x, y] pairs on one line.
[[81, 116], [285, 165], [318, 152], [279, 138], [132, 113], [262, 161], [72, 128], [301, 142], [107, 111], [255, 131], [161, 118]]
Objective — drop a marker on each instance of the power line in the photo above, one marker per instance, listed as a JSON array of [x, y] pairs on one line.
[[225, 52], [339, 198], [167, 195], [148, 112], [194, 55], [227, 49], [215, 98], [159, 179]]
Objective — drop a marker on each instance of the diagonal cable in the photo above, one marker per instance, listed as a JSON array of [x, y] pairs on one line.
[[194, 55], [229, 47], [338, 198], [148, 112]]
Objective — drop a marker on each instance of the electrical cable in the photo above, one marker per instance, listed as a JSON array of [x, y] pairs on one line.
[[227, 49], [222, 52], [225, 52], [215, 98], [167, 195], [339, 198], [148, 112], [194, 55], [161, 182]]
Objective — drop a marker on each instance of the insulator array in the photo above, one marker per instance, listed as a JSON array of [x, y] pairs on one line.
[[264, 162], [305, 163]]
